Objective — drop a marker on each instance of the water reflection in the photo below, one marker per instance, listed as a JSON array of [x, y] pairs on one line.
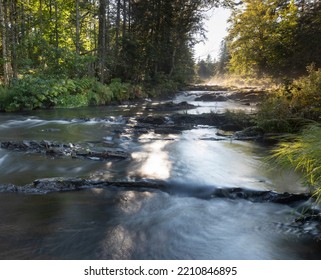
[[152, 162], [118, 244]]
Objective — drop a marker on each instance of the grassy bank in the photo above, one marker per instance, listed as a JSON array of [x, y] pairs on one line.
[[303, 153], [295, 109]]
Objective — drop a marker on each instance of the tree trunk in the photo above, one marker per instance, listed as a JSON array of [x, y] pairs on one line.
[[56, 27], [124, 18], [13, 24], [102, 40], [173, 62], [117, 28], [5, 56], [77, 28]]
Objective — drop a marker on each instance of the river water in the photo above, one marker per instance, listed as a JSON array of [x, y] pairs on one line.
[[118, 223]]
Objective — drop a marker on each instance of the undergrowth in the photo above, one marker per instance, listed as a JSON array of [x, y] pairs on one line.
[[31, 92]]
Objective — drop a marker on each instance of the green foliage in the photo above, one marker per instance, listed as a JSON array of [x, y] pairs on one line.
[[206, 68], [273, 113], [119, 90], [305, 94], [303, 152], [3, 97], [240, 118], [293, 105], [33, 92], [161, 85], [277, 38]]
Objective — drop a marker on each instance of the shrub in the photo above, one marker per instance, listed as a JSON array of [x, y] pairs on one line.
[[3, 97], [119, 90], [306, 95], [32, 92], [293, 104]]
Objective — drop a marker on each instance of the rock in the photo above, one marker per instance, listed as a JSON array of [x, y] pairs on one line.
[[247, 96], [156, 120], [58, 150], [8, 188], [202, 119], [211, 98], [260, 196], [170, 106], [250, 133], [230, 127], [62, 184]]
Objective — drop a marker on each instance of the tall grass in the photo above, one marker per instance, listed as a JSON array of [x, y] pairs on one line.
[[303, 152]]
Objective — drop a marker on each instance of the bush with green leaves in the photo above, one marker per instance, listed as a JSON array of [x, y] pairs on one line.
[[3, 97], [33, 92], [293, 105], [305, 95]]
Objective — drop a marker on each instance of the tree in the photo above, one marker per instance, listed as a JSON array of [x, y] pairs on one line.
[[223, 60], [206, 68], [275, 37], [140, 41], [4, 31]]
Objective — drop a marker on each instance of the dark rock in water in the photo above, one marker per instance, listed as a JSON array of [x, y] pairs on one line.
[[170, 106], [69, 150], [230, 127], [202, 119], [212, 98], [248, 96], [260, 196], [8, 188], [180, 122], [68, 184], [157, 120], [250, 133], [25, 145], [110, 119], [49, 185], [106, 154]]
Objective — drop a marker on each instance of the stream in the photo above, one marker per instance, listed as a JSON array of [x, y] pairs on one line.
[[184, 222]]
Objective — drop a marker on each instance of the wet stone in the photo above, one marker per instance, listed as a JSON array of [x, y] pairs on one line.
[[170, 106], [68, 150], [212, 98]]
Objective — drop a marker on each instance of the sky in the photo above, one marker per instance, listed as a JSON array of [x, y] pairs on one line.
[[216, 27]]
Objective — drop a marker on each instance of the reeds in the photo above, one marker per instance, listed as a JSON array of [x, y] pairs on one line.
[[303, 153]]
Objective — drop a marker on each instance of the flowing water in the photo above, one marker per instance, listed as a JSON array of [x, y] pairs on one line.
[[117, 223]]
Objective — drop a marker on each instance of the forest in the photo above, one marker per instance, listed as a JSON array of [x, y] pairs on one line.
[[74, 53], [117, 144], [77, 47]]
